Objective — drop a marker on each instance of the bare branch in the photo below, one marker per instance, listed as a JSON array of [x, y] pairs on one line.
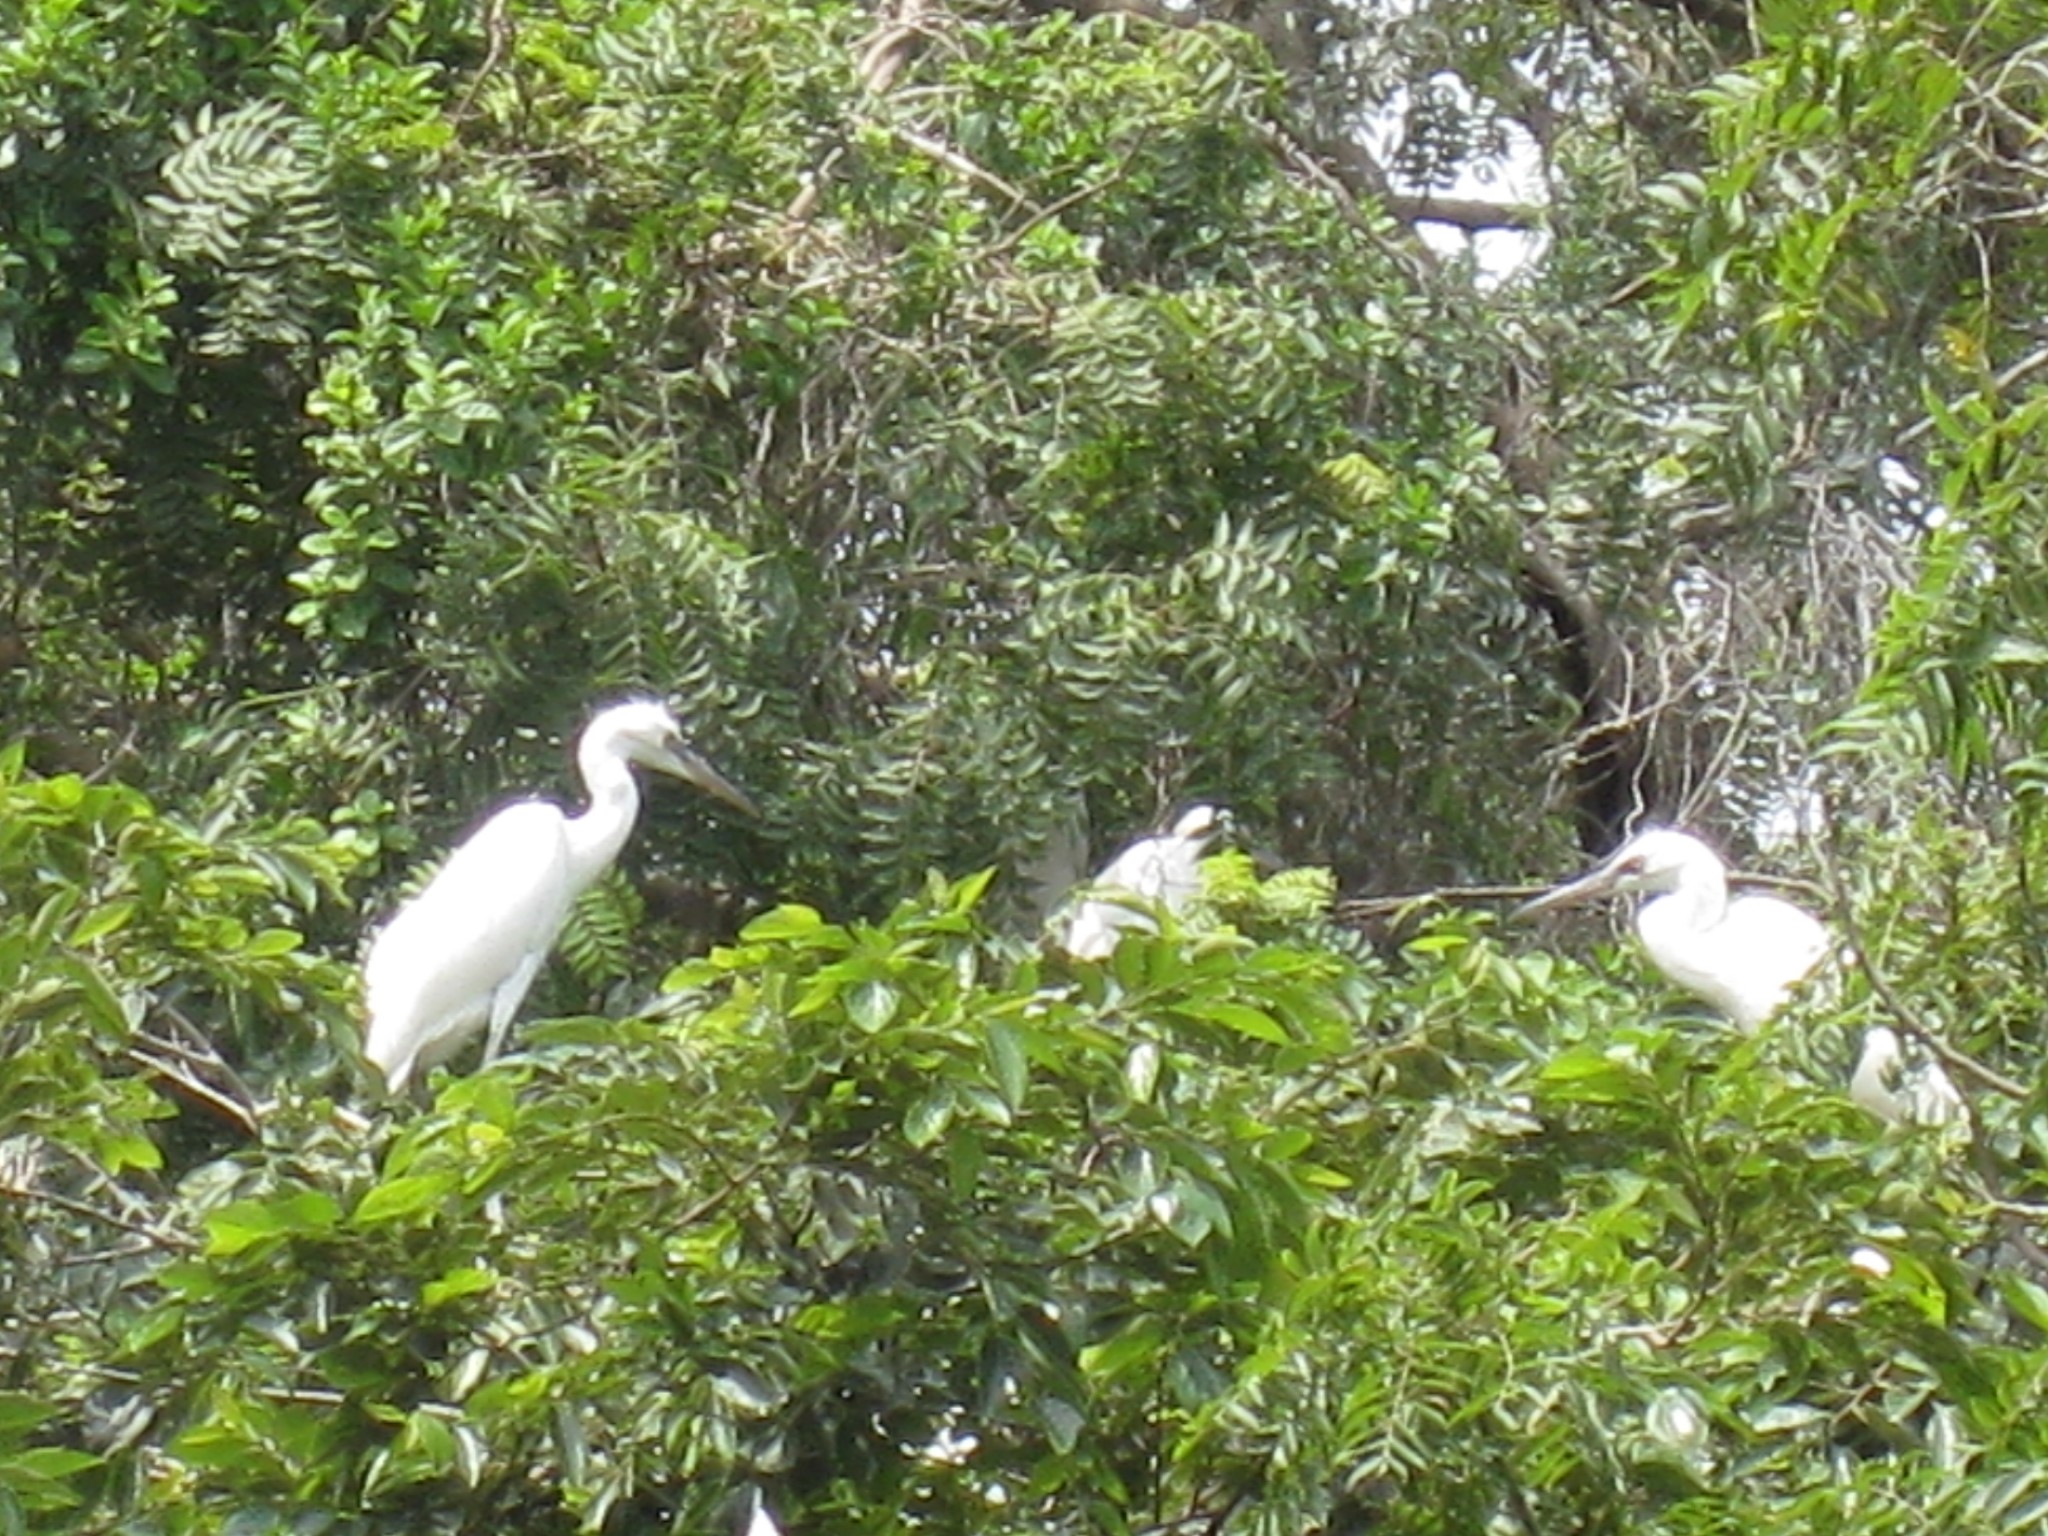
[[889, 49], [1716, 15], [1365, 909], [1908, 1021], [953, 160], [176, 1074], [156, 1236], [2005, 379], [1465, 212]]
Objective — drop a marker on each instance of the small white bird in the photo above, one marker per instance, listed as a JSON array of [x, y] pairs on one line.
[[464, 950], [1743, 956], [759, 1521], [1163, 870], [1900, 1091]]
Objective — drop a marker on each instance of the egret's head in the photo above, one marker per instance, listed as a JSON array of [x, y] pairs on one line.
[[1881, 1049], [1656, 859], [644, 731], [1202, 824]]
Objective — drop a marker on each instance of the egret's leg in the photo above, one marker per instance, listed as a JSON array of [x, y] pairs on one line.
[[505, 1002]]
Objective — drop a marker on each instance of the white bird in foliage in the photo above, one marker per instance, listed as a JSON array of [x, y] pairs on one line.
[[1163, 870], [463, 951], [759, 1521], [1902, 1091], [1743, 956]]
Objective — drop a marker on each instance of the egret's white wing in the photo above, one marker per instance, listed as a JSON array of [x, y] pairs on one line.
[[1874, 1083], [1784, 943], [1163, 871], [480, 927], [1932, 1097], [1093, 930], [1903, 1091], [1747, 963]]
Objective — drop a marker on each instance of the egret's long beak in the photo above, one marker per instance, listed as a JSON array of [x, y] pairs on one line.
[[692, 769], [1591, 886]]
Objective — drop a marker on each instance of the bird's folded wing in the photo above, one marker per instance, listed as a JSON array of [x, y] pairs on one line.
[[499, 898], [1155, 869]]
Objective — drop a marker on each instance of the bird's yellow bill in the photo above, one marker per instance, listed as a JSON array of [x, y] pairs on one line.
[[693, 769], [1591, 886]]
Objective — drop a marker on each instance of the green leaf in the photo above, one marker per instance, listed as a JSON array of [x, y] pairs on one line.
[[784, 922], [1254, 1023], [20, 1411], [408, 1195], [245, 1223], [1588, 1076], [1063, 1423], [119, 1148], [102, 1001], [1141, 1071], [691, 974], [1135, 1344], [928, 1117], [271, 941], [53, 1462], [872, 1004], [108, 917], [966, 894], [467, 1281], [2027, 1297], [1008, 1062]]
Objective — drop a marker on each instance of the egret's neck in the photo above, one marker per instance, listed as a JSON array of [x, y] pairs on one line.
[[1696, 903], [596, 836]]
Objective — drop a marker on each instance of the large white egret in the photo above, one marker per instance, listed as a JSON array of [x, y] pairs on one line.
[[1743, 956], [463, 951], [1163, 870], [1899, 1090]]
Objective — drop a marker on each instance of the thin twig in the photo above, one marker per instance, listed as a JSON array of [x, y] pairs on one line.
[[1909, 1022], [953, 160], [1053, 210], [2017, 1208], [242, 1117], [155, 1235], [2034, 360], [213, 1058], [498, 27], [1366, 908]]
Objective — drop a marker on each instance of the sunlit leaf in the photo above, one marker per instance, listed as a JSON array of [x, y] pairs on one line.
[[406, 1196]]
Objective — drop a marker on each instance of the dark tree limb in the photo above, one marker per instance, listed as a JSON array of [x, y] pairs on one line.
[[1716, 15], [1613, 782]]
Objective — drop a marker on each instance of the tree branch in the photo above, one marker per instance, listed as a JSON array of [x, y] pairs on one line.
[[1472, 213], [1720, 15], [1360, 910], [156, 1236]]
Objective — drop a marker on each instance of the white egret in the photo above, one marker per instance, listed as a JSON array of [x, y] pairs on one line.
[[463, 951], [1899, 1090], [1743, 956], [1162, 871], [759, 1521]]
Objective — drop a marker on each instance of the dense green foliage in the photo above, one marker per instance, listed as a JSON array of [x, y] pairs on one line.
[[990, 425]]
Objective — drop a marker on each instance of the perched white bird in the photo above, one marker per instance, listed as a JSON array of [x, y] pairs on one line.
[[1899, 1091], [1743, 956], [759, 1521], [464, 950], [1163, 870]]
